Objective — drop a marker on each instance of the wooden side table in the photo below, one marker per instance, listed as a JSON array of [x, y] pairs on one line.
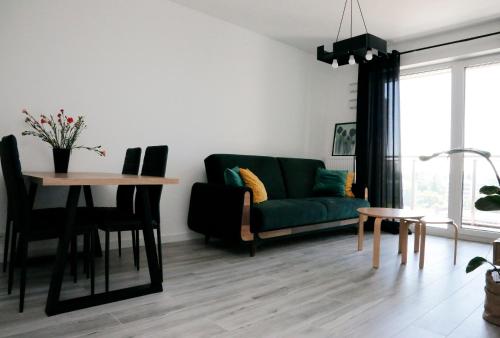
[[386, 213], [423, 230]]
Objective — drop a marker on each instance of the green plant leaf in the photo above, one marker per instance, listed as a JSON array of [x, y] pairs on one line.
[[474, 263], [489, 190], [488, 203]]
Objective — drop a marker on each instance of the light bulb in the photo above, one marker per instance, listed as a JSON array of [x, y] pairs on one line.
[[352, 61], [335, 64], [369, 55]]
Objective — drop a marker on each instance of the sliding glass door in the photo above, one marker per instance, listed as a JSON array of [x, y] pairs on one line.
[[425, 129], [482, 123], [452, 105]]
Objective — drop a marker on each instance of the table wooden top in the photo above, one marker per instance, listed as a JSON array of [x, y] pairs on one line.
[[391, 213], [95, 178]]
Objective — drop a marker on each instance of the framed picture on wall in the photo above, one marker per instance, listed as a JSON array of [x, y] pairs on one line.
[[344, 139]]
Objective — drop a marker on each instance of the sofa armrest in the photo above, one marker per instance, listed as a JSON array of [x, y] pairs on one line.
[[219, 210], [360, 191]]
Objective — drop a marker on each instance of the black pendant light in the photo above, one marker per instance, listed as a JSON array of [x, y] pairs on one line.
[[361, 48]]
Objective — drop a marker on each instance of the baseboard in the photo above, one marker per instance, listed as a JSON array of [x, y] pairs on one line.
[[181, 237], [48, 247], [465, 234]]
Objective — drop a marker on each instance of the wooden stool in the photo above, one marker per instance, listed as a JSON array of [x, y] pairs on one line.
[[422, 229]]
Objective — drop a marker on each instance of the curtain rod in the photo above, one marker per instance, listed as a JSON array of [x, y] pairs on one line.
[[451, 42]]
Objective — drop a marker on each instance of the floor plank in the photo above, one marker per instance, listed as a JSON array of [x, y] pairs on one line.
[[314, 286], [475, 326]]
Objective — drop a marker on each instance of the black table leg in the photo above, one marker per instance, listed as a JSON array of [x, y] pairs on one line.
[[62, 251], [56, 306], [89, 202], [149, 238]]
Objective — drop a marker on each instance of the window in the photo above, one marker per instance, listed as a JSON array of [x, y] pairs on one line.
[[482, 120], [453, 105], [425, 129]]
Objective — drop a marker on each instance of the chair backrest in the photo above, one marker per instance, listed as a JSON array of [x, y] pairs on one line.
[[17, 195], [125, 193], [154, 164]]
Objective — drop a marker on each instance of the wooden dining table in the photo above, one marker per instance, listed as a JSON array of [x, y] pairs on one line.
[[75, 181]]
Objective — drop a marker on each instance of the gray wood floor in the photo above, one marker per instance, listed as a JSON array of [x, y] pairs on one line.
[[318, 286]]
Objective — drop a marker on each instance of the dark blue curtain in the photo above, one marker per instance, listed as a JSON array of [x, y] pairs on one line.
[[378, 139]]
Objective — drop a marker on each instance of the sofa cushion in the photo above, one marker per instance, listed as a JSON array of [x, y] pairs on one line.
[[340, 208], [348, 184], [232, 177], [330, 182], [299, 175], [254, 183], [285, 213], [266, 168]]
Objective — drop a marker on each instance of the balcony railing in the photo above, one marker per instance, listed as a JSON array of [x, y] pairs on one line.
[[426, 187], [478, 173]]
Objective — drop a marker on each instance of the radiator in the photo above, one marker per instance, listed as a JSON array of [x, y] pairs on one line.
[[341, 163]]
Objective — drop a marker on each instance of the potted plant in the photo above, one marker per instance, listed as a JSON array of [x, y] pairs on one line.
[[492, 299], [61, 132], [490, 202]]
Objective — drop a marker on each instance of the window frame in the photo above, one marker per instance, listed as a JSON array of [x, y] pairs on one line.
[[457, 133]]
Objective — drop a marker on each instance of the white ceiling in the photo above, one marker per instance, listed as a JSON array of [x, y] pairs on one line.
[[309, 23]]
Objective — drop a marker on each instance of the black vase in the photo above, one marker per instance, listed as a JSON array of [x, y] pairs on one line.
[[61, 159]]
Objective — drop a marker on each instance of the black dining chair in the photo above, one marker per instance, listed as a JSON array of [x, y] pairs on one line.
[[7, 236], [154, 164], [125, 193], [30, 224], [124, 200], [8, 239]]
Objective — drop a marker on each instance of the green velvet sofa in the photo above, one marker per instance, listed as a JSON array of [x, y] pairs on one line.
[[227, 212]]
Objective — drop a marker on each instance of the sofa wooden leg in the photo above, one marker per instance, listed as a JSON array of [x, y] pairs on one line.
[[253, 248]]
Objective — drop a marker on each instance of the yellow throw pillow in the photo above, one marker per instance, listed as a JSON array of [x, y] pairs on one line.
[[253, 182], [348, 184]]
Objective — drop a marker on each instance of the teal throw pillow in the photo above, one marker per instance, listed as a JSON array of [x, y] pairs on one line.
[[232, 177], [330, 182]]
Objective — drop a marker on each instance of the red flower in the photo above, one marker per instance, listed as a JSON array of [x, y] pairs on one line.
[[59, 115], [42, 121], [70, 120], [62, 111]]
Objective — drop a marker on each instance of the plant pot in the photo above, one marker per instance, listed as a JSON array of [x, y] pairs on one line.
[[61, 159], [492, 300]]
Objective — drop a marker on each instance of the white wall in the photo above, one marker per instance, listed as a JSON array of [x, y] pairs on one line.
[[146, 73], [330, 94]]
